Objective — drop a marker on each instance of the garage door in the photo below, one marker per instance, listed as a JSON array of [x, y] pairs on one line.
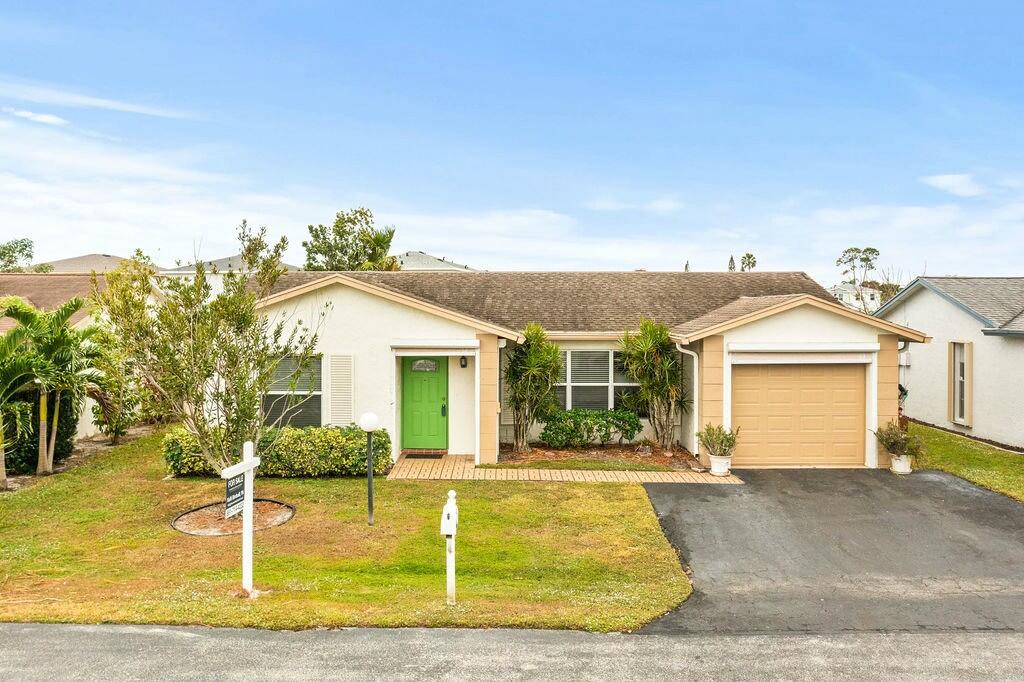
[[798, 415]]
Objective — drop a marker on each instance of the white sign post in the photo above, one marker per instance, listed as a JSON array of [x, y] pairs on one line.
[[247, 467], [449, 524]]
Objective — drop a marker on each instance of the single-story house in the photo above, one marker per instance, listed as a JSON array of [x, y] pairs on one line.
[[46, 292], [971, 380], [805, 378]]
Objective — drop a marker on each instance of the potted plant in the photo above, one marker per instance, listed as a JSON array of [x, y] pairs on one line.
[[901, 445], [719, 442]]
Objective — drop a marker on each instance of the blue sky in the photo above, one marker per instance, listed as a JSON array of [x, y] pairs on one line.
[[520, 135]]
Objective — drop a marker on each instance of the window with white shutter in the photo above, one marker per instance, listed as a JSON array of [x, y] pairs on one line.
[[294, 397]]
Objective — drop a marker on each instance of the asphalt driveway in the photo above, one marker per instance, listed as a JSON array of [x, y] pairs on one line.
[[832, 551]]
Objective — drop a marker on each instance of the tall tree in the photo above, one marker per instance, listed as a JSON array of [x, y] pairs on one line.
[[530, 377], [748, 262], [353, 242], [65, 358], [857, 266], [649, 357], [16, 256], [17, 369], [686, 266], [211, 358], [732, 264]]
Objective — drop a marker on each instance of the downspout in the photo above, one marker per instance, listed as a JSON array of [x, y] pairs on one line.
[[696, 395]]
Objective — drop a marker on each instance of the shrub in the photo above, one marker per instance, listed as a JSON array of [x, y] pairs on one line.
[[290, 452], [897, 439], [23, 456], [649, 357], [718, 440], [580, 428]]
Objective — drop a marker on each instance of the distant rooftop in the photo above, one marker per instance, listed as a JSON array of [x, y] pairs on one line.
[[419, 260], [90, 262], [227, 264]]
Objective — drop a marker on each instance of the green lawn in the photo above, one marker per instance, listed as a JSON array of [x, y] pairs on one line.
[[95, 545], [979, 463], [581, 464]]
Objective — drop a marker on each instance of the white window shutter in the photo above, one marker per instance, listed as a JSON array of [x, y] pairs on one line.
[[341, 390]]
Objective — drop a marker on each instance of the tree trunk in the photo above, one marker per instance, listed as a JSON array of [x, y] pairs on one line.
[[53, 431], [41, 467], [520, 431], [3, 456]]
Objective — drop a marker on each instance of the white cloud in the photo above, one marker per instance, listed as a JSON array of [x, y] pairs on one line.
[[959, 184], [53, 95], [48, 119]]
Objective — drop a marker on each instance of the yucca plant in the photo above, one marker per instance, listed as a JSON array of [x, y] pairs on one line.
[[530, 377], [898, 440], [649, 357]]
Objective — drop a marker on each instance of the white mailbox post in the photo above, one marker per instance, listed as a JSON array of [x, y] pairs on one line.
[[247, 467], [449, 524]]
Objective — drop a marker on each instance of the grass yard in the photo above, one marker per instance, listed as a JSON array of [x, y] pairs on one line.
[[94, 545], [979, 463], [581, 464]]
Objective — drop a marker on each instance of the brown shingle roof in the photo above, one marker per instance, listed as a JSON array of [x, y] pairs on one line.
[[745, 305], [46, 291], [98, 262], [579, 301], [1000, 299]]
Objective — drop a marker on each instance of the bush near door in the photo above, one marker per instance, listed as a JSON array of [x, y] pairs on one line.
[[291, 452]]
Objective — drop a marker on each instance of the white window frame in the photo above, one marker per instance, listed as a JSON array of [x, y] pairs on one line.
[[960, 382], [612, 384]]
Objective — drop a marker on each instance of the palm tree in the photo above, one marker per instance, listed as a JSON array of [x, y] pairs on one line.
[[748, 262], [376, 243], [17, 369], [64, 364]]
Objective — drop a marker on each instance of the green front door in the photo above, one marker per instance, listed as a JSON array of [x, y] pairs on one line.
[[425, 403]]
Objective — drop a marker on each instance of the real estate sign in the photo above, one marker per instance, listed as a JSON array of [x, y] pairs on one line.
[[234, 499]]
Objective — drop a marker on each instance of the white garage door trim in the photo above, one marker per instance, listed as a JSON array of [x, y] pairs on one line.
[[810, 353]]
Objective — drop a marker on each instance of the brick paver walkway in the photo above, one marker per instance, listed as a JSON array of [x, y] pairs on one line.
[[461, 468]]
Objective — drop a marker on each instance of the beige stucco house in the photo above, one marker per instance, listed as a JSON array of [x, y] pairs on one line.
[[805, 378], [970, 379]]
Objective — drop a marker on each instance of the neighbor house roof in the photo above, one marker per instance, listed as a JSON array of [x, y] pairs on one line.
[[47, 291], [996, 302], [229, 263], [90, 262], [572, 303], [749, 309], [418, 260]]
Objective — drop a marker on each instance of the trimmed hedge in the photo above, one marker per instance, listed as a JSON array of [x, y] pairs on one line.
[[298, 453], [23, 456], [580, 428]]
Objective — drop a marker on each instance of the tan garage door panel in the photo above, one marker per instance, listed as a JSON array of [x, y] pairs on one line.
[[798, 415]]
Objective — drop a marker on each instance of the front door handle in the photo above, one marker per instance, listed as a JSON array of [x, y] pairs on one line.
[[444, 409]]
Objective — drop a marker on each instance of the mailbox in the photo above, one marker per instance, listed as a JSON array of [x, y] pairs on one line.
[[450, 516]]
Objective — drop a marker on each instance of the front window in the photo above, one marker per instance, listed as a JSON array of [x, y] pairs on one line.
[[294, 397], [592, 380], [959, 382]]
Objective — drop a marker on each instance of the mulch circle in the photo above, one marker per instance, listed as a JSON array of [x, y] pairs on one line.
[[209, 520]]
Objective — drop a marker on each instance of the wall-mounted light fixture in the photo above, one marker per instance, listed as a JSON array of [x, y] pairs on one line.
[[463, 362]]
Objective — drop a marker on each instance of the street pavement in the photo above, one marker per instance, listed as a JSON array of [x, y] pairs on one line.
[[114, 652]]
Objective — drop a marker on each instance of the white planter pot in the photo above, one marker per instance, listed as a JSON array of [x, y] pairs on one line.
[[720, 465], [900, 464]]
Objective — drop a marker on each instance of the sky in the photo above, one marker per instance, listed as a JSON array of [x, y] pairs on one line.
[[532, 136]]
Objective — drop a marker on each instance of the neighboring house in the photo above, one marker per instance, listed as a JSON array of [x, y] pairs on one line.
[[971, 379], [859, 298], [804, 378], [215, 270], [418, 260], [91, 262], [49, 291]]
